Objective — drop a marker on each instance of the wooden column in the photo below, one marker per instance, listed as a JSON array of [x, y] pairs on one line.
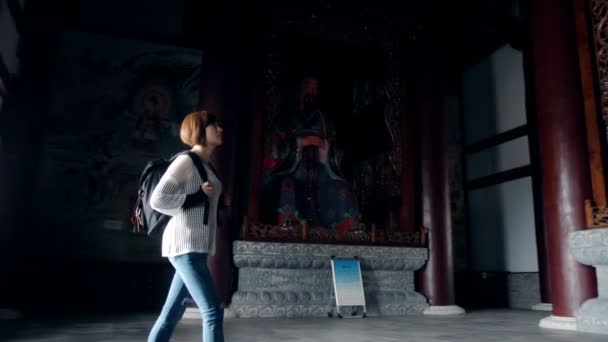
[[562, 146], [231, 82], [536, 176], [408, 220], [437, 277], [256, 145], [220, 94]]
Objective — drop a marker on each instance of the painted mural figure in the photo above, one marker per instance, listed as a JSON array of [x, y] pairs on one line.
[[305, 169]]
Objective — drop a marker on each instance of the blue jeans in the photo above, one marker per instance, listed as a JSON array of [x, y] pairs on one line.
[[192, 278]]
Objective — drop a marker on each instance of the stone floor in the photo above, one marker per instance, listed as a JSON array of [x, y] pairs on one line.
[[491, 325]]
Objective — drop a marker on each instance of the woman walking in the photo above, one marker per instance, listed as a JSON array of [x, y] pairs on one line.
[[190, 234]]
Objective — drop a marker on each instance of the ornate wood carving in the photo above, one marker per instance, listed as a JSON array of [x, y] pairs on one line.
[[273, 92], [252, 231], [593, 49], [392, 111], [599, 18], [597, 47], [596, 216]]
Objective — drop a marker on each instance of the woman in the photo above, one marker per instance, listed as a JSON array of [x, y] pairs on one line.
[[190, 234]]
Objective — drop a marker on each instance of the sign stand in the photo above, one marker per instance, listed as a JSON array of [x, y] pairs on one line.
[[348, 285]]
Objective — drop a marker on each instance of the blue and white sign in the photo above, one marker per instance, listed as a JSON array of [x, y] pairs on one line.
[[348, 283]]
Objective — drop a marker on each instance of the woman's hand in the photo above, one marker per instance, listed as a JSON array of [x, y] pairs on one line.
[[207, 189]]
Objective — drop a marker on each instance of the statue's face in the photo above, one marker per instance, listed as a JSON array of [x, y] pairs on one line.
[[309, 93], [310, 154], [310, 86]]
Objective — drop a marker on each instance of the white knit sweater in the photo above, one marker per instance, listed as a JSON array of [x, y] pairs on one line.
[[186, 232]]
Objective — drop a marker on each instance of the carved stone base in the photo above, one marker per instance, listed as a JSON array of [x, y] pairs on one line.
[[542, 307], [558, 323], [592, 316], [590, 247], [280, 310], [444, 310], [294, 280]]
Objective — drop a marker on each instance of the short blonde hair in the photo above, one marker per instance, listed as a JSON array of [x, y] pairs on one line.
[[192, 130]]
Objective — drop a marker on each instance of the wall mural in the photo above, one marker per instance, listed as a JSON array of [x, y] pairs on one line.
[[115, 105]]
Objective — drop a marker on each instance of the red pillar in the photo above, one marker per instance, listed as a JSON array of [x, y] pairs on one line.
[[231, 42], [541, 233], [563, 153], [408, 220], [437, 277], [543, 266]]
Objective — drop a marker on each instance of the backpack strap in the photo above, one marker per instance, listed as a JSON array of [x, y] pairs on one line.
[[203, 173], [199, 166], [197, 163]]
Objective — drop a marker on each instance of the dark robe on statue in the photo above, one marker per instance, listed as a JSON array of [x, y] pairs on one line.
[[310, 187]]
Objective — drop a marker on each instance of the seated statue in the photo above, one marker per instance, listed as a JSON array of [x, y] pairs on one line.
[[304, 169]]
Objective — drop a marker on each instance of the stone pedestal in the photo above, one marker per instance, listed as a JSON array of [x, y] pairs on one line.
[[444, 310], [542, 307], [558, 323], [590, 247], [294, 280]]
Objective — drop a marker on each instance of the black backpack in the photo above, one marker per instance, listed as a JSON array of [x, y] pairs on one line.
[[146, 219]]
